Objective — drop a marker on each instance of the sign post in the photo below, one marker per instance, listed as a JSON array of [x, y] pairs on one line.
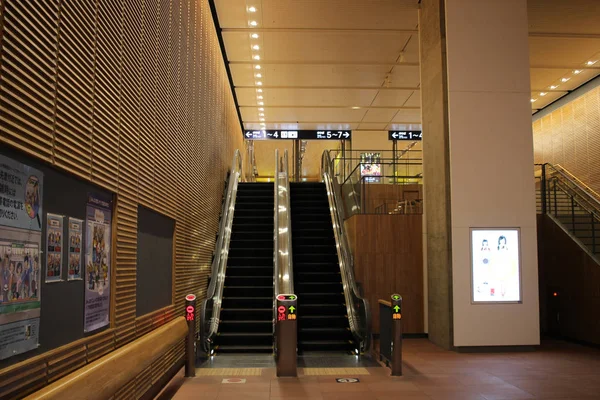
[[190, 317], [286, 331], [396, 335]]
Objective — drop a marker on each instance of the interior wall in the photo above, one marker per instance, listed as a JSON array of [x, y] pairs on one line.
[[388, 259], [371, 140], [573, 312], [132, 96], [570, 136], [264, 151]]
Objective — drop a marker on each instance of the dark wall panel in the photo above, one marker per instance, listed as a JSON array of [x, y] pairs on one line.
[[154, 261]]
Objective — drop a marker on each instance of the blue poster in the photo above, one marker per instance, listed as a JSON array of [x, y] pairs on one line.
[[97, 264]]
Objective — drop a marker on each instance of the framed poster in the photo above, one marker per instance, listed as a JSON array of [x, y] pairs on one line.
[[495, 265], [54, 239], [97, 264], [75, 236], [20, 195]]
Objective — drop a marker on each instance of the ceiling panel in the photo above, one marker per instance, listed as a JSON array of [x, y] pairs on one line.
[[404, 116], [308, 97], [307, 114], [321, 47], [541, 78], [543, 101], [304, 125], [404, 127], [392, 98], [561, 52], [379, 115], [232, 13], [372, 126], [340, 14], [550, 16]]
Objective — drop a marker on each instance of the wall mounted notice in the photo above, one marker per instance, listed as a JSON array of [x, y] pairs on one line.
[[20, 298], [20, 195], [97, 264], [75, 235], [54, 232], [495, 265]]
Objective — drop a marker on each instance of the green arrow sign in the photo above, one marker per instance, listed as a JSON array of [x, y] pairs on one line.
[[292, 297], [292, 309], [396, 297], [396, 308]]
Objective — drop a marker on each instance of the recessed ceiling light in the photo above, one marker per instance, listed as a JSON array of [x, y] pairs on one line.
[[260, 103], [591, 62], [263, 124], [261, 114], [259, 97], [256, 47], [255, 36], [261, 119], [256, 57], [259, 75], [355, 108], [565, 79], [259, 90], [261, 109], [259, 83], [533, 100], [543, 93], [253, 23], [553, 87], [577, 71], [252, 9], [257, 67]]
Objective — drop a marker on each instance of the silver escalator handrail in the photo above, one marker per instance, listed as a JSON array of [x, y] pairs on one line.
[[214, 293], [357, 307]]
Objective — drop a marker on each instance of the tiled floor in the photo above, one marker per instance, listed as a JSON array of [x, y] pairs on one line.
[[555, 371]]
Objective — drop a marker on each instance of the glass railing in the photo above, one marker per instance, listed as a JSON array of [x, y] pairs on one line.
[[344, 162], [283, 275], [571, 203], [395, 188], [210, 309], [359, 314]]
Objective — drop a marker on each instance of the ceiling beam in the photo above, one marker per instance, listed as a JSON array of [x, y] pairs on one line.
[[344, 107], [317, 30], [565, 35], [328, 87]]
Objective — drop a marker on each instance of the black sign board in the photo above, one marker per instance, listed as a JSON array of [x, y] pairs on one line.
[[405, 135], [300, 135]]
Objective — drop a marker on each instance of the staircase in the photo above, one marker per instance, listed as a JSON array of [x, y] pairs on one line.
[[246, 321], [565, 204], [322, 317]]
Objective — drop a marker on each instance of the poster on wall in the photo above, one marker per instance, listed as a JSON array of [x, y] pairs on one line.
[[370, 167], [75, 236], [20, 302], [495, 265], [54, 233], [20, 195], [97, 263]]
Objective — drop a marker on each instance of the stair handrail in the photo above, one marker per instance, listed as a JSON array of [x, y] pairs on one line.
[[359, 317], [586, 197], [214, 294]]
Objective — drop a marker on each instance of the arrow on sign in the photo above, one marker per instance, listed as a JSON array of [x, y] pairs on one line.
[[248, 134], [292, 308], [396, 308], [394, 135], [346, 135], [396, 297], [292, 297]]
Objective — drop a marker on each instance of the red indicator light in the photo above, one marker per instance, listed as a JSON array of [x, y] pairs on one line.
[[190, 297], [555, 294], [281, 309], [281, 297]]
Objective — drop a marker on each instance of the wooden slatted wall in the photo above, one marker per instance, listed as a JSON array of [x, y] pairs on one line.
[[570, 136], [133, 96]]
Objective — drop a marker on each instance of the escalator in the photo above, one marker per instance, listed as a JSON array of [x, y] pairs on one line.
[[323, 323], [246, 318]]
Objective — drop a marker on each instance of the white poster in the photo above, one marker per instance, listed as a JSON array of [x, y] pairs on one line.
[[495, 265]]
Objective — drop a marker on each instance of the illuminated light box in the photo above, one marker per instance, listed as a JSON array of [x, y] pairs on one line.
[[495, 265]]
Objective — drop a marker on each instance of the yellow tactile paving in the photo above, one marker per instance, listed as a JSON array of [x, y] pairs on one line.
[[335, 371], [228, 371]]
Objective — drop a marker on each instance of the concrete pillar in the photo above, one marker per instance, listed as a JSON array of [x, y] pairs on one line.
[[478, 163]]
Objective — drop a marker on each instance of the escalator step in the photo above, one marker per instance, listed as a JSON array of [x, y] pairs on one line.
[[244, 349]]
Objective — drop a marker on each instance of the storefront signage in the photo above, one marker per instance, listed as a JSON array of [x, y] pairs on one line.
[[405, 135], [300, 135]]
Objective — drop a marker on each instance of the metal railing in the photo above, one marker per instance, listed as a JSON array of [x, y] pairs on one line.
[[212, 304], [359, 314], [572, 204]]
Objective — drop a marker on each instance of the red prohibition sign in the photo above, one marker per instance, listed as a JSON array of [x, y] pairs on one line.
[[281, 309]]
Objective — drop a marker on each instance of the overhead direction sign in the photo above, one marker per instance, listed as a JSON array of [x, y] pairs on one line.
[[298, 134], [405, 135]]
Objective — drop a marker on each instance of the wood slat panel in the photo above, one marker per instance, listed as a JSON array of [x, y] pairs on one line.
[[134, 97]]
